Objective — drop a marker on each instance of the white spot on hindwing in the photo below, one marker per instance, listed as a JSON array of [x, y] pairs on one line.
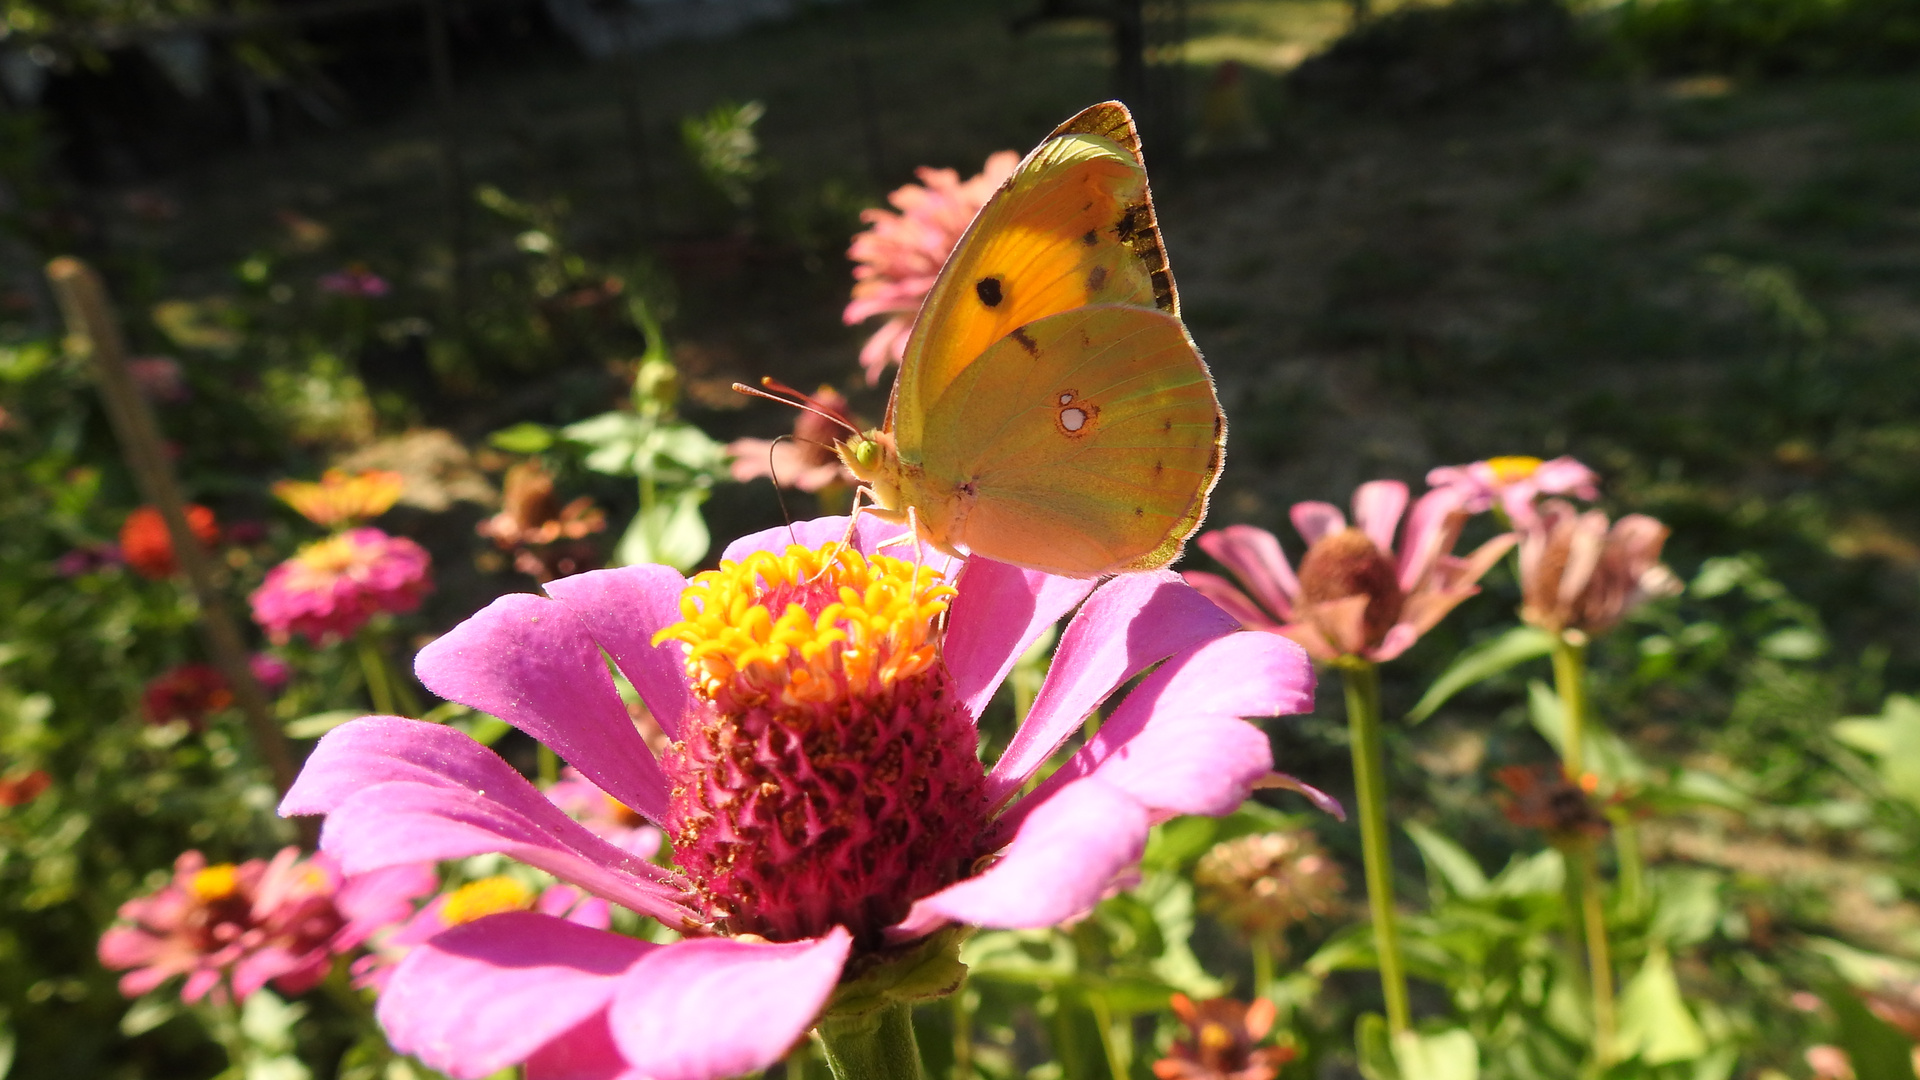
[[1073, 419], [1066, 398]]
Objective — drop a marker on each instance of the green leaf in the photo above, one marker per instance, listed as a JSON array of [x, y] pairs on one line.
[[1877, 1050], [1442, 1055], [1374, 1047], [1539, 874], [1449, 862], [1893, 737], [1686, 906], [481, 728], [524, 438], [1654, 1022], [318, 724], [671, 532], [143, 1016], [1607, 756], [1480, 663]]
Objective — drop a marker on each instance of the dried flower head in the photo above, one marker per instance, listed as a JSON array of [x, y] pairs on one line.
[[146, 545], [1265, 883], [1356, 594], [1222, 1043], [900, 254], [1543, 797], [1578, 574], [548, 540]]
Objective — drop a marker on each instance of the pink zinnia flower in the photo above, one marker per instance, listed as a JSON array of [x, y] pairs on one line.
[[474, 900], [1354, 595], [254, 923], [822, 790], [1577, 573], [355, 280], [1514, 483], [330, 588], [901, 254]]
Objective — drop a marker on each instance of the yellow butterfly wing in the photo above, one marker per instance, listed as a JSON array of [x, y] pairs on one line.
[[1074, 225], [1084, 443]]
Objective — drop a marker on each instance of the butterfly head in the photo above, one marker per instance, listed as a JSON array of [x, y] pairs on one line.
[[872, 457]]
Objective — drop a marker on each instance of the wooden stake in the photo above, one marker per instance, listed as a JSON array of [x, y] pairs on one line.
[[92, 327]]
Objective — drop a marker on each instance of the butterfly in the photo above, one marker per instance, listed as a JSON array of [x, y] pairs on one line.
[[1051, 410]]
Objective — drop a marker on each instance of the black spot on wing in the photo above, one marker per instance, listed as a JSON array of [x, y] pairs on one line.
[[1093, 235], [1096, 277], [988, 290], [1020, 335]]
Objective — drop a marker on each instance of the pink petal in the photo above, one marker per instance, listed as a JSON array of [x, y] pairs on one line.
[[490, 993], [1060, 863], [999, 612], [588, 1052], [1176, 743], [1254, 556], [1566, 475], [868, 534], [380, 898], [710, 1008], [403, 791], [1129, 623], [1399, 638], [622, 610], [531, 662], [1314, 520], [1431, 530], [1231, 600], [1377, 506]]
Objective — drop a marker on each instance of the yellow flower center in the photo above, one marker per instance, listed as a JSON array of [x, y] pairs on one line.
[[1215, 1037], [327, 559], [488, 896], [1510, 470], [216, 882], [809, 627]]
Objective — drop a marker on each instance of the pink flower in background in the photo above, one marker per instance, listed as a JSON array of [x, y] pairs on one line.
[[86, 560], [806, 461], [255, 922], [1514, 483], [900, 254], [160, 379], [1354, 596], [608, 817], [1577, 573], [794, 855], [330, 588], [355, 280], [474, 900], [272, 672]]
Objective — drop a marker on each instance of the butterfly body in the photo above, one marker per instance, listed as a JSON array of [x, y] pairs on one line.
[[1051, 410]]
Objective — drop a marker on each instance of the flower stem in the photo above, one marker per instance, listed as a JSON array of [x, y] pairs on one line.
[[1570, 678], [1262, 965], [962, 1034], [1632, 865], [373, 667], [1599, 957], [1103, 1018], [1369, 779], [877, 1046]]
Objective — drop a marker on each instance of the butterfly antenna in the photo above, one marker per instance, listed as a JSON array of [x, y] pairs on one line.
[[773, 473], [787, 395]]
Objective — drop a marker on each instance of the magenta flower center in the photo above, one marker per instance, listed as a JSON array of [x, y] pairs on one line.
[[836, 779]]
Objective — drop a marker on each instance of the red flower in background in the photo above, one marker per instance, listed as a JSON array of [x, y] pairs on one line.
[[147, 547], [19, 789], [190, 692]]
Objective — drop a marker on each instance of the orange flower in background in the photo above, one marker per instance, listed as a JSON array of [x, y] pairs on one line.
[[147, 547], [340, 497], [1222, 1041], [21, 788], [806, 461]]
